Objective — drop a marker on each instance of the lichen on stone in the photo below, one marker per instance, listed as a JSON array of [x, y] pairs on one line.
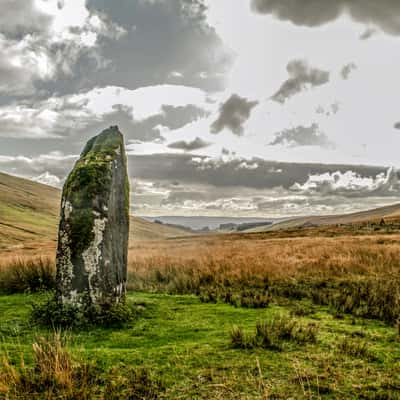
[[92, 257], [95, 211]]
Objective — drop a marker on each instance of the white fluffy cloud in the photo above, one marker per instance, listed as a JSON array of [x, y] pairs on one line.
[[146, 101], [51, 167], [47, 119], [48, 179], [21, 63], [46, 38], [351, 184]]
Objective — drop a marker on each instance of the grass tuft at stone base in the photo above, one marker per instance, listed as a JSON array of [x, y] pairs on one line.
[[52, 313]]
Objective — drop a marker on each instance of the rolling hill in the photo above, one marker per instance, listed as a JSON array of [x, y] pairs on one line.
[[29, 213], [388, 212]]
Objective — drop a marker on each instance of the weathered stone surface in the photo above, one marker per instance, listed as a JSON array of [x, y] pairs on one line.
[[94, 225]]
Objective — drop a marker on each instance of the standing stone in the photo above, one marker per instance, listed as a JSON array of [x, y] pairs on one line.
[[94, 226]]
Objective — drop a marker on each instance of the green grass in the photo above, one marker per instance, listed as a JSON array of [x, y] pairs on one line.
[[187, 344]]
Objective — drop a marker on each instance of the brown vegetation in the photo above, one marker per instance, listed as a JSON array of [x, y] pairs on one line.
[[357, 274], [354, 274]]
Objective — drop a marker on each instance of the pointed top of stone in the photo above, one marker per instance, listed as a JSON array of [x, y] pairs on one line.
[[109, 140]]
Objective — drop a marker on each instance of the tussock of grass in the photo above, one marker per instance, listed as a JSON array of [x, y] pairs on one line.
[[53, 314], [27, 275], [272, 334], [247, 298], [355, 348], [55, 374]]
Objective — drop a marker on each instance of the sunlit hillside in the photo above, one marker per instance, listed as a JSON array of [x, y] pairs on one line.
[[29, 213]]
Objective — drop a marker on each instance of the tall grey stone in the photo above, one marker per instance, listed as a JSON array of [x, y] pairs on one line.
[[94, 225]]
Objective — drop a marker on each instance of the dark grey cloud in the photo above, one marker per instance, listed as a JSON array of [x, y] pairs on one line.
[[138, 43], [195, 144], [302, 136], [328, 111], [253, 173], [383, 14], [233, 114], [368, 33], [161, 37], [300, 12], [347, 70], [146, 130], [301, 77], [397, 125], [73, 125]]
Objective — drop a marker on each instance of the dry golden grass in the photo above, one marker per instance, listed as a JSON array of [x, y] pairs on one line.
[[356, 272], [242, 256], [352, 274], [251, 256]]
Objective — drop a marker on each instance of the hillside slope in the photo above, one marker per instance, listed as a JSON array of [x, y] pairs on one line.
[[388, 212], [29, 213]]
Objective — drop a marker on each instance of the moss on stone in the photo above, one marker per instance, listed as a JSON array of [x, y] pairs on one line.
[[107, 142], [88, 183]]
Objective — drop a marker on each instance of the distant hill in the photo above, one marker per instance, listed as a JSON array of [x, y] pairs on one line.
[[212, 223], [29, 212], [387, 213]]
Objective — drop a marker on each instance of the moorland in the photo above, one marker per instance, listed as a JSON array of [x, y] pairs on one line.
[[305, 310]]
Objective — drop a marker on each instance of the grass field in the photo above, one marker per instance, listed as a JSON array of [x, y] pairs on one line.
[[299, 313], [192, 293], [186, 344]]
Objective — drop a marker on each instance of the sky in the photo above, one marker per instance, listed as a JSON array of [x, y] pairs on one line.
[[267, 108]]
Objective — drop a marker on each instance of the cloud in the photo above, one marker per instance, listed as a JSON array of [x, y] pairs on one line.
[[368, 33], [347, 70], [352, 184], [149, 128], [195, 144], [22, 17], [301, 77], [185, 184], [330, 110], [383, 14], [205, 199], [79, 117], [40, 41], [43, 166], [231, 172], [397, 125], [48, 179], [302, 136], [160, 37], [233, 114], [48, 119], [22, 62]]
